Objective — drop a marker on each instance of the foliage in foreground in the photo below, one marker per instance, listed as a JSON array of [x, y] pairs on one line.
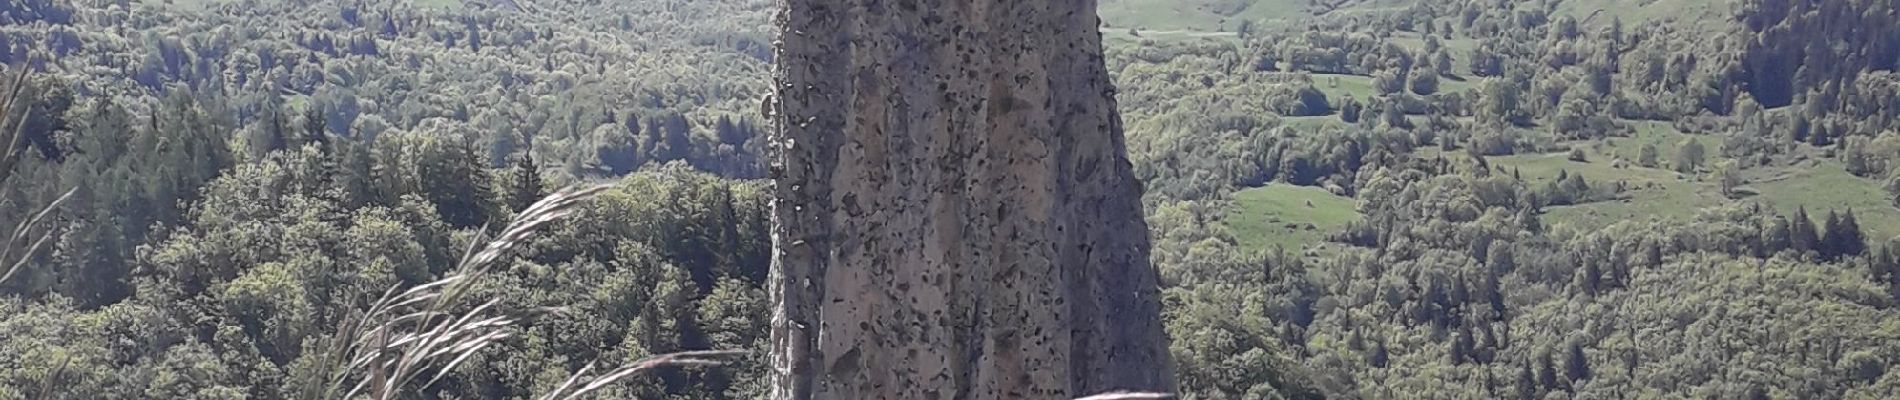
[[245, 298]]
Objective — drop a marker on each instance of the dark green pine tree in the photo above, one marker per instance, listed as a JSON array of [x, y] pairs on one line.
[[1802, 236], [1460, 291], [1853, 242], [1546, 371], [1832, 238], [1653, 255], [314, 129], [677, 142], [1379, 354], [354, 167], [1592, 277], [456, 181], [527, 187], [91, 258], [1758, 393], [1526, 384], [728, 132], [474, 37], [1820, 136], [725, 232], [1576, 366], [1527, 217], [653, 140], [389, 28], [1577, 189], [278, 136], [1487, 348], [463, 195], [1490, 384], [639, 146], [1462, 346], [316, 133]]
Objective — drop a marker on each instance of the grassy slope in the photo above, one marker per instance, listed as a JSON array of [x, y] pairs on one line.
[[1658, 193], [1277, 215], [1828, 185], [1194, 15], [1653, 192], [1360, 86], [1701, 15]]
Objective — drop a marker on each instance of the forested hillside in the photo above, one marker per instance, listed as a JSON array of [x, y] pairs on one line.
[[1347, 199], [246, 177], [1527, 199]]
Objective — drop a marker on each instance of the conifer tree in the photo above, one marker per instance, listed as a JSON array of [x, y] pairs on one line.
[[315, 133], [1527, 217], [526, 186], [1850, 241], [1577, 366], [1592, 277], [1803, 236], [1820, 137], [1379, 354], [1833, 238], [1462, 346], [1546, 371], [1857, 241], [1526, 384], [314, 130], [276, 135]]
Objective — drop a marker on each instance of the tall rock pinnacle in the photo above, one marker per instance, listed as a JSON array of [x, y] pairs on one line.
[[956, 217]]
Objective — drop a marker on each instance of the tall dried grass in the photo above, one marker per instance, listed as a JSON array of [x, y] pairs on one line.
[[14, 120], [419, 332], [21, 245], [24, 241]]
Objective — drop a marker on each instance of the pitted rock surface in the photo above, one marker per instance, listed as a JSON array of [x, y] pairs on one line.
[[956, 217]]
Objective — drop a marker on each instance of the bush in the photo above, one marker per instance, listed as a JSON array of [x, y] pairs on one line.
[[1424, 82]]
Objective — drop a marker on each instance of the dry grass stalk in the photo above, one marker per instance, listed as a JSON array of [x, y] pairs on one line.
[[20, 246], [21, 243], [15, 121], [407, 333], [403, 334], [569, 389]]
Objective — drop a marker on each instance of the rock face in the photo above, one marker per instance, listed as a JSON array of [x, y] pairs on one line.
[[956, 217]]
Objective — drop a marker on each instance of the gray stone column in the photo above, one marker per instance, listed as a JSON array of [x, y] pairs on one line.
[[955, 215]]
